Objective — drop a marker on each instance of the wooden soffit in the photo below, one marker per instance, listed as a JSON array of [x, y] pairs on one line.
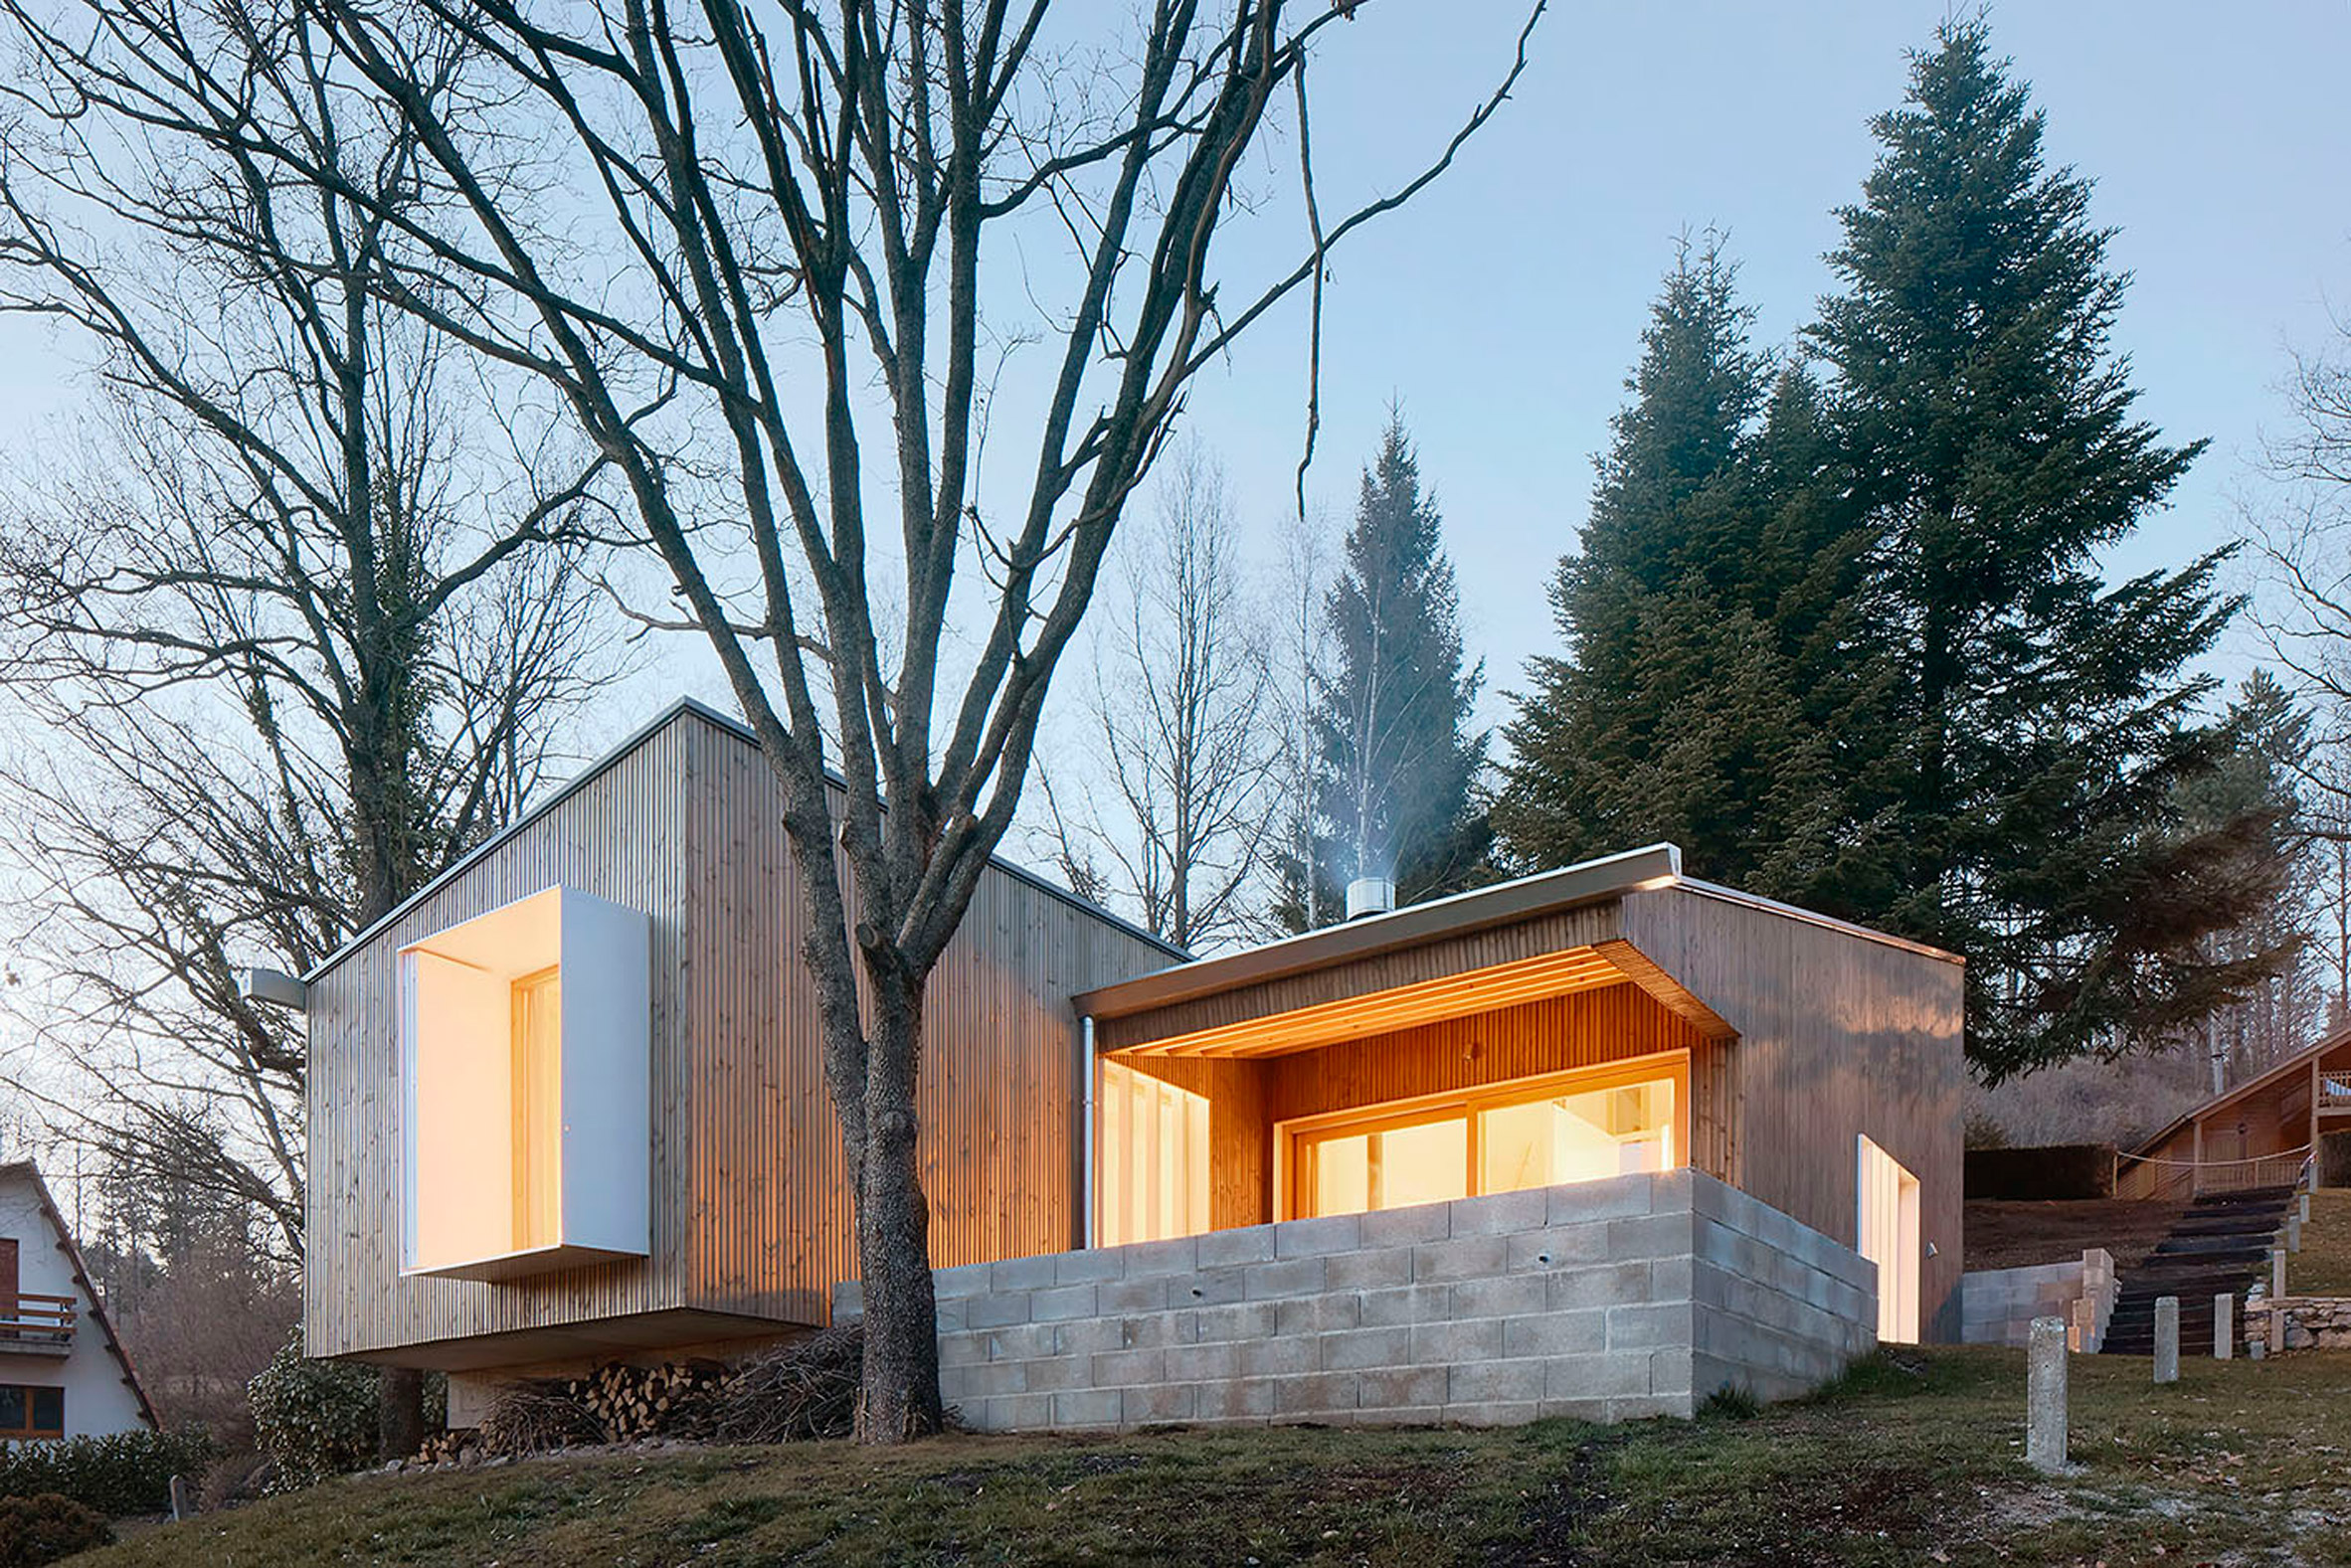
[[1557, 974]]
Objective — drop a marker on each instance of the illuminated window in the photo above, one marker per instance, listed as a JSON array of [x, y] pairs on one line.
[[526, 1143], [1533, 1132], [1886, 1231], [1153, 1160], [30, 1411]]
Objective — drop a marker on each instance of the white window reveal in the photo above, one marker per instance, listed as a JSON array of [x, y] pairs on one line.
[[526, 1137], [1886, 1229]]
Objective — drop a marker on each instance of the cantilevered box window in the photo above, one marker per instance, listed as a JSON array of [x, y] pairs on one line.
[[525, 1137]]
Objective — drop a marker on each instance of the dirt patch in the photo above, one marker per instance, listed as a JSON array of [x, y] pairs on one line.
[[2010, 1234]]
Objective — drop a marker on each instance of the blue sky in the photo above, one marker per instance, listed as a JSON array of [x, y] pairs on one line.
[[1502, 307]]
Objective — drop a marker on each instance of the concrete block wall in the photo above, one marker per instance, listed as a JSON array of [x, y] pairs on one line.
[[1634, 1296], [1998, 1306]]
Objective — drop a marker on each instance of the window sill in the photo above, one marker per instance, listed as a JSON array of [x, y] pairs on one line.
[[508, 1267]]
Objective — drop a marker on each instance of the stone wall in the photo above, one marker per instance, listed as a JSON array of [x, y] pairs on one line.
[[2312, 1322], [1998, 1306], [1634, 1296]]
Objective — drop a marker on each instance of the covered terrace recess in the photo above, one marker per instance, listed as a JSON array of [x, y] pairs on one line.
[[1473, 1045]]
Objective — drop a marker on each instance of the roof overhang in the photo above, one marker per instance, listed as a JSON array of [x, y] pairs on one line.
[[1481, 909]]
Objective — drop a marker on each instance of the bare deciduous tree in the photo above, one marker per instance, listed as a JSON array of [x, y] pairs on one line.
[[1183, 713], [277, 628], [786, 212]]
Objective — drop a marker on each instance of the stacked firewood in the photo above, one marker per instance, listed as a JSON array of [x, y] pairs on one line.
[[442, 1448], [672, 1400]]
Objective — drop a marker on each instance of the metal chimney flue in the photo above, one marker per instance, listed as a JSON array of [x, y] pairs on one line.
[[1369, 896]]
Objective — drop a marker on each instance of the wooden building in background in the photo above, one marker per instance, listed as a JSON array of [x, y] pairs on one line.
[[566, 1104], [2256, 1134]]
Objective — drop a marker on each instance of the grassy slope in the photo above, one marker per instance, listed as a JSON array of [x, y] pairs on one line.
[[1913, 1459], [2323, 1266]]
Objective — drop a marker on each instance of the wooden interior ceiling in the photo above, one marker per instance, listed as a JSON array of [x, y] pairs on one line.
[[1382, 1012]]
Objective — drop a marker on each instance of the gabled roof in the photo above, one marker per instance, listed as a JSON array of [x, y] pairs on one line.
[[595, 769], [2297, 1062], [31, 1172]]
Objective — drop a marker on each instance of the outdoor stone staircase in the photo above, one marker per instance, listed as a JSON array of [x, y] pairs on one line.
[[2221, 1244]]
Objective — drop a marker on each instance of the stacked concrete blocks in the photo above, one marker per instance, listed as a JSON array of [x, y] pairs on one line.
[[1634, 1296]]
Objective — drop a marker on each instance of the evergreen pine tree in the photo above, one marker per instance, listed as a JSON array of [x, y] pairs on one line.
[[1691, 703], [2020, 769], [1398, 764]]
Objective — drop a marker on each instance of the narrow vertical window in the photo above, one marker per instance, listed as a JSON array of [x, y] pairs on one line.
[[1152, 1164], [538, 1108]]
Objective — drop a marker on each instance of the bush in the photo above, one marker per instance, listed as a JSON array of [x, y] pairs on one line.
[[122, 1473], [41, 1529], [316, 1418]]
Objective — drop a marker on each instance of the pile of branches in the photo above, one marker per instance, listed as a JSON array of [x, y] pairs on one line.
[[536, 1416], [795, 1392], [673, 1400]]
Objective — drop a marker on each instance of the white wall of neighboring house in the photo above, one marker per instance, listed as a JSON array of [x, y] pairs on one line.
[[98, 1400]]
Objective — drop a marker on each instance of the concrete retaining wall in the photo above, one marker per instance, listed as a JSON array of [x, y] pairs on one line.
[[1998, 1306], [1634, 1296]]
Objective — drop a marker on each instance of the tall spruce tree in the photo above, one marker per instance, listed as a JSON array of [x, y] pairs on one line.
[[2026, 756], [1694, 699], [1398, 764]]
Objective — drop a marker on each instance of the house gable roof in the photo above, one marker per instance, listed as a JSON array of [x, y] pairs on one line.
[[24, 1171], [681, 708], [2252, 1086]]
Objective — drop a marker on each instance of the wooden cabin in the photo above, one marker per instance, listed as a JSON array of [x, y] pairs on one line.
[[565, 1102], [2256, 1134], [1608, 1018]]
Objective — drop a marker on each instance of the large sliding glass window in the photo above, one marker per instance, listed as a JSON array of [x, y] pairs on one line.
[[1153, 1183], [1582, 1125]]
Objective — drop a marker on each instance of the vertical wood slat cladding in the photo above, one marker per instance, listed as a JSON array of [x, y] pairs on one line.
[[1436, 959], [1838, 1035], [619, 837], [750, 1207], [1585, 1029]]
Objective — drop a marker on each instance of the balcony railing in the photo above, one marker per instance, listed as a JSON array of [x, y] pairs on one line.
[[40, 1324]]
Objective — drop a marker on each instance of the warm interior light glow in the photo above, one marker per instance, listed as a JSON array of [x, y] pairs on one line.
[[1152, 1159], [1536, 1132], [537, 1048], [1886, 1229], [524, 1035]]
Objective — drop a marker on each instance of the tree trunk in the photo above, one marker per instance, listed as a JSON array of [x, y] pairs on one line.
[[898, 1399], [400, 1412]]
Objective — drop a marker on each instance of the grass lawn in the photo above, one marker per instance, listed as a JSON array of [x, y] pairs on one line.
[[2323, 1266], [1912, 1459]]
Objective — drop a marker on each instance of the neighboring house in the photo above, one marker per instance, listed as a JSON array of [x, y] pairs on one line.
[[2256, 1134], [566, 1104], [62, 1372]]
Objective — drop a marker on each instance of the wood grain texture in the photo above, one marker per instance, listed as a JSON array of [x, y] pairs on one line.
[[1838, 1036], [1589, 1028], [750, 1213]]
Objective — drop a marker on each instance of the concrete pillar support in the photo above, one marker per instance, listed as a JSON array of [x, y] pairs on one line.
[[2276, 1273], [2045, 1396], [2167, 1340], [2224, 1326]]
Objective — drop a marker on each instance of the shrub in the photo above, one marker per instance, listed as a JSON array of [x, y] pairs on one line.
[[316, 1418], [43, 1528], [122, 1473]]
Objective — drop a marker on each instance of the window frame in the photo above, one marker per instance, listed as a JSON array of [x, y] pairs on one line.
[[1295, 1136], [29, 1433]]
